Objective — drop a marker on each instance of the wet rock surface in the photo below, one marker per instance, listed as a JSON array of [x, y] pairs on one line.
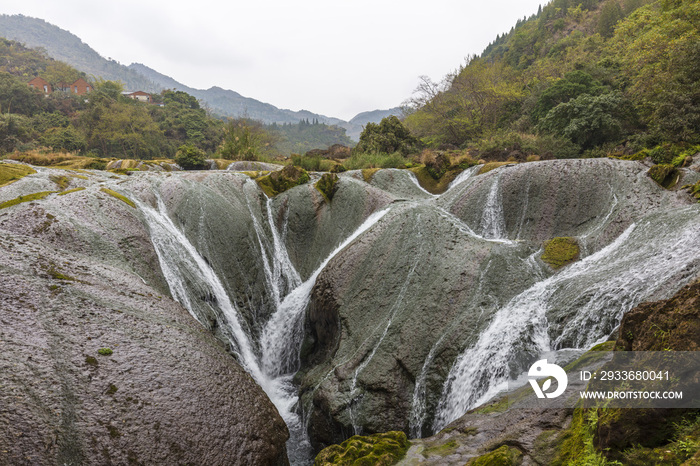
[[74, 271]]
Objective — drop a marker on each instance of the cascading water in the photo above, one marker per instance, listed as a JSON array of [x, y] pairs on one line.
[[593, 293], [190, 277], [493, 225]]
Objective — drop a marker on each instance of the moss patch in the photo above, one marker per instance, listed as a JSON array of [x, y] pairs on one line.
[[327, 185], [280, 181], [377, 449], [11, 172], [27, 198], [61, 181], [105, 352], [368, 173], [487, 167], [432, 185], [664, 174], [74, 190], [441, 449], [122, 198], [502, 456], [559, 252]]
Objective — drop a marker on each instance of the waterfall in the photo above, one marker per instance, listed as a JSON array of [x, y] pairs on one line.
[[189, 275], [592, 295], [493, 224], [281, 337], [194, 284]]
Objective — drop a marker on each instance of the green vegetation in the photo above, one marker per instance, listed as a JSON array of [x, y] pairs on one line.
[[502, 456], [559, 252], [487, 167], [371, 450], [105, 352], [11, 172], [665, 174], [74, 190], [387, 137], [26, 198], [441, 449], [61, 181], [56, 275], [304, 136], [91, 361], [327, 185], [600, 76], [280, 181], [122, 198], [190, 157]]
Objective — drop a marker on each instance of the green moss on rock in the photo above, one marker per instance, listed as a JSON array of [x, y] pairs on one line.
[[280, 181], [11, 172], [327, 185], [61, 181], [26, 198], [377, 449], [502, 456], [74, 190], [487, 167], [561, 251], [665, 174], [432, 185], [121, 197]]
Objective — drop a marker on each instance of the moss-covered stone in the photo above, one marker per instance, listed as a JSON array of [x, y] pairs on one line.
[[432, 185], [368, 173], [121, 197], [11, 172], [280, 181], [26, 198], [502, 456], [74, 190], [487, 167], [327, 185], [377, 449], [665, 174], [61, 181], [561, 251]]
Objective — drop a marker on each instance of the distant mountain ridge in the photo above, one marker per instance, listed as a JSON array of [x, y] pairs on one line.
[[67, 47]]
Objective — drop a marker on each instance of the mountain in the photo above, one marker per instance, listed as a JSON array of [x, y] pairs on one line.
[[67, 47], [230, 103]]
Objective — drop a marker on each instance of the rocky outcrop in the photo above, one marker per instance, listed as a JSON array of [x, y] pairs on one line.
[[390, 315], [98, 365]]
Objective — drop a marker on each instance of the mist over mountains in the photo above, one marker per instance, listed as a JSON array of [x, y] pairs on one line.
[[67, 47]]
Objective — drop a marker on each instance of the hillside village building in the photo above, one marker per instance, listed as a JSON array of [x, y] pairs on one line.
[[139, 95], [79, 87]]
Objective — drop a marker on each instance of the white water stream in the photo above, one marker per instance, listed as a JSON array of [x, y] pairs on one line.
[[190, 277]]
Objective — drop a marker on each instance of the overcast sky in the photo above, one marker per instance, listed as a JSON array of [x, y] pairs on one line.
[[334, 57]]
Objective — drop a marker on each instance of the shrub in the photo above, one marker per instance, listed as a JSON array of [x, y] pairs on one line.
[[190, 157]]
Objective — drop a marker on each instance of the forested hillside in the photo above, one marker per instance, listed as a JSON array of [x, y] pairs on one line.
[[585, 78]]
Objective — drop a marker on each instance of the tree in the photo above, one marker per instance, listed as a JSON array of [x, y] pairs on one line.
[[190, 157], [573, 84], [244, 139], [588, 120], [610, 14], [387, 137]]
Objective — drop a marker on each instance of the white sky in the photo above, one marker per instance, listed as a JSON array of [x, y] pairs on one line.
[[333, 57]]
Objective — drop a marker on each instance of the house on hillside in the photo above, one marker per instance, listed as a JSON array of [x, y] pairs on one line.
[[41, 84], [79, 87], [139, 95]]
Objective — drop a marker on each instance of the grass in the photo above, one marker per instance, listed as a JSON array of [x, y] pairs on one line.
[[358, 161], [121, 197], [11, 172], [61, 181], [59, 160], [26, 198]]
